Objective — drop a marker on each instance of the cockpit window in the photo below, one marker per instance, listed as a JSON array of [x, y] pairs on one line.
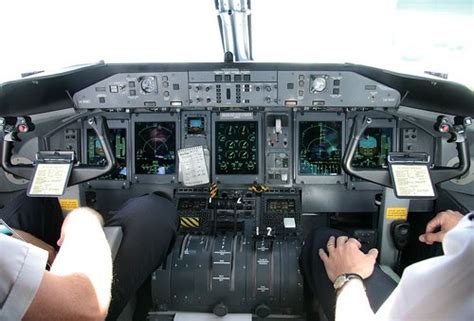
[[429, 37]]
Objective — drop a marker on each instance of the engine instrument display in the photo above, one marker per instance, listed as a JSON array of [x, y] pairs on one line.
[[320, 148], [374, 147], [155, 148], [236, 147], [96, 156]]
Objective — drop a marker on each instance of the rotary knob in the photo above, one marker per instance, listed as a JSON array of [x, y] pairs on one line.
[[220, 310], [263, 311]]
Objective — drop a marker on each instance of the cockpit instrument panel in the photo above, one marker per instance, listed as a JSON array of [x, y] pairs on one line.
[[155, 148], [118, 142], [237, 147], [320, 148], [265, 145]]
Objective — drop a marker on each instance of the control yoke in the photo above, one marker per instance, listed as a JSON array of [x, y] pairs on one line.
[[439, 174], [12, 126]]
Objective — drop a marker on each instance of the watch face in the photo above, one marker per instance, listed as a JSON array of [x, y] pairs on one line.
[[339, 281], [344, 278]]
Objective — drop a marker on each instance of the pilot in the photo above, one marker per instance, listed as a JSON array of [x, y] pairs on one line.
[[349, 285], [149, 225], [78, 285]]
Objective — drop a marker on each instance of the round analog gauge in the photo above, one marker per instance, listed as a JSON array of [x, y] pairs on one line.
[[250, 166], [252, 138], [149, 84], [244, 154], [230, 144], [222, 138], [230, 154], [243, 144], [318, 84], [223, 166]]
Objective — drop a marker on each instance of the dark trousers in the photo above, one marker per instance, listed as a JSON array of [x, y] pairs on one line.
[[378, 286], [149, 225]]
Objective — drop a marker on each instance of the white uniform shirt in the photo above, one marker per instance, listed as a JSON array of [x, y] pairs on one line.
[[440, 288], [22, 266]]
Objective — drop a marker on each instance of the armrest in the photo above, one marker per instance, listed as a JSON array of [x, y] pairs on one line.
[[114, 237], [388, 270]]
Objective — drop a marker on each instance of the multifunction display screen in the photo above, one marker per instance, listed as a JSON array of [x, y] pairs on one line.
[[236, 147], [155, 148], [320, 148], [373, 148], [96, 156], [195, 125]]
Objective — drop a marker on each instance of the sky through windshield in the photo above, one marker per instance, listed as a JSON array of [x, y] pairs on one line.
[[409, 36]]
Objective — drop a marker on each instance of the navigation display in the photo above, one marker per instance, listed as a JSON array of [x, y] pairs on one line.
[[374, 147], [320, 148], [236, 147], [96, 156], [155, 148]]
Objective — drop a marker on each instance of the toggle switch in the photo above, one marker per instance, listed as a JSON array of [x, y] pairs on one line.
[[278, 126]]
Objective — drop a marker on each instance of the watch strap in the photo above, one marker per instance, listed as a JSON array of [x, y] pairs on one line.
[[343, 279]]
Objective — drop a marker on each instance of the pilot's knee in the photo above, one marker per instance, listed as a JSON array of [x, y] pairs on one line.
[[154, 212], [319, 237], [165, 209], [23, 206]]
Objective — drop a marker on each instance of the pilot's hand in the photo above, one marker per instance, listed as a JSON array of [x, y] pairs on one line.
[[345, 256], [79, 221], [27, 237], [441, 224]]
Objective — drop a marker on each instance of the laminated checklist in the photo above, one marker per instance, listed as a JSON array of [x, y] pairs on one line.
[[193, 168]]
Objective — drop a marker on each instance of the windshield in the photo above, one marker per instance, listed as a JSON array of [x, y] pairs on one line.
[[417, 37]]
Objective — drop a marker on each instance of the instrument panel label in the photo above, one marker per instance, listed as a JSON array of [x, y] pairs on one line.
[[236, 116], [397, 213], [68, 204]]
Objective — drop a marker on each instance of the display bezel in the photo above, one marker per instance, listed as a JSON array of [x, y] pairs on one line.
[[253, 153], [109, 183], [317, 117], [376, 123], [155, 118], [238, 178]]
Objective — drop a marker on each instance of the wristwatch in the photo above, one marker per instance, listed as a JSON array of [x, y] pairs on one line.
[[342, 280]]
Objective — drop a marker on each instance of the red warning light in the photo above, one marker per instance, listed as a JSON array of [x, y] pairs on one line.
[[444, 128], [22, 128]]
